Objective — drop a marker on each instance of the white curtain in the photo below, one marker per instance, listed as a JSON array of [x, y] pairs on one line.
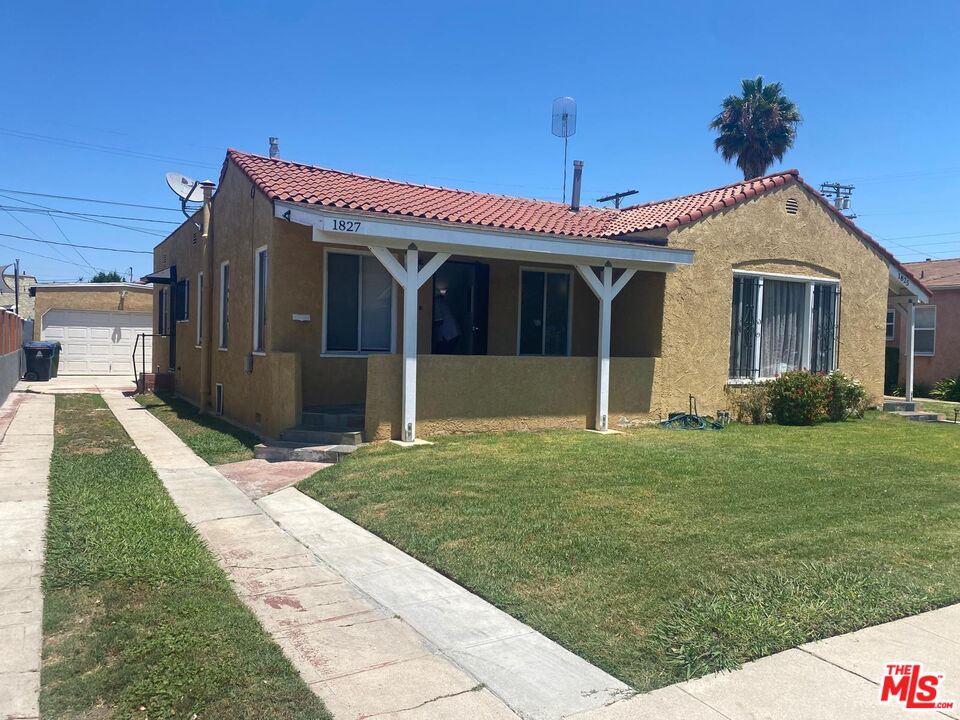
[[781, 341]]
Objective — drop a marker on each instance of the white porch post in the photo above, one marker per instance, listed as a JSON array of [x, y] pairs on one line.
[[410, 278], [605, 290], [911, 320]]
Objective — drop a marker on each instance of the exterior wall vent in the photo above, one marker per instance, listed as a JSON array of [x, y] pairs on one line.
[[792, 206]]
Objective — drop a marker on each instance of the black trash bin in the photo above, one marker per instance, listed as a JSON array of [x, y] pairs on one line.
[[39, 356], [55, 361]]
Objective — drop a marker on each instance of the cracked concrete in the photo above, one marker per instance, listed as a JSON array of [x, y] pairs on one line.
[[25, 449]]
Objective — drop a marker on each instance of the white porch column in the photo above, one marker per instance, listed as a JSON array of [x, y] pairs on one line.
[[911, 321], [605, 290], [410, 278]]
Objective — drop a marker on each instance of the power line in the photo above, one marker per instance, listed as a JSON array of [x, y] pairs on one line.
[[45, 257], [77, 251], [90, 200], [17, 208], [145, 231], [85, 247]]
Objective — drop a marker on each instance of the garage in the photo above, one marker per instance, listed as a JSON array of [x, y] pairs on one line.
[[96, 342]]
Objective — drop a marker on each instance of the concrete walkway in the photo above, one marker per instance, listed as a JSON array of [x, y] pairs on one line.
[[373, 631], [24, 466], [78, 384]]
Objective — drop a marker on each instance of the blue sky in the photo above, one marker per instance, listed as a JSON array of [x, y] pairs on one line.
[[99, 100]]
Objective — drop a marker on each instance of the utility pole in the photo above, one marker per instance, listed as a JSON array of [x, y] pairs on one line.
[[16, 285], [839, 195], [617, 197], [130, 273]]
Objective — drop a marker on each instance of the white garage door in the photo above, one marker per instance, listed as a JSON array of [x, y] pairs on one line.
[[96, 342]]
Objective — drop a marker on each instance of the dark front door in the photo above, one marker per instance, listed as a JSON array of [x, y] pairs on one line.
[[460, 294]]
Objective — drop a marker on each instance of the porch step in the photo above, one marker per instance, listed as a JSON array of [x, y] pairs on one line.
[[898, 406], [334, 417], [314, 436], [280, 450], [919, 416]]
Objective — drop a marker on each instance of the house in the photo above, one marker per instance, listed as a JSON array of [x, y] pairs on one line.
[[937, 333], [97, 324], [301, 292]]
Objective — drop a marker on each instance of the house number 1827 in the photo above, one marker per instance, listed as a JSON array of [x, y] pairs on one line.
[[346, 225]]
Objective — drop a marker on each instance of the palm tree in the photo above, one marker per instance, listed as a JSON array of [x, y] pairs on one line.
[[756, 127]]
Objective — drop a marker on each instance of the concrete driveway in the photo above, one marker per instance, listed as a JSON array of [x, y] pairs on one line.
[[79, 384]]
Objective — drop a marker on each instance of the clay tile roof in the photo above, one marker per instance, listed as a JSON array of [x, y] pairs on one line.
[[936, 273], [296, 182]]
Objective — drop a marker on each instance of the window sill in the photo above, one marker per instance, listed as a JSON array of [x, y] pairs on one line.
[[259, 353], [222, 349], [920, 354], [359, 354]]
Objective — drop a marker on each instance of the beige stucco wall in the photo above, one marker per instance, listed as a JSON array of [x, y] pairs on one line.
[[457, 393], [759, 235], [137, 299], [945, 361]]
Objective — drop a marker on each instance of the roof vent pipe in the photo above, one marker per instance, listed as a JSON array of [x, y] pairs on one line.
[[274, 147], [575, 194]]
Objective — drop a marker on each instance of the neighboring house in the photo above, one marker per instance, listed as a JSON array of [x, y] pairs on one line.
[[8, 299], [937, 333], [294, 295], [97, 324]]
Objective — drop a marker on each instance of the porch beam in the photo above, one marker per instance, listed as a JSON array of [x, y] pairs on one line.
[[605, 290], [389, 262], [427, 271]]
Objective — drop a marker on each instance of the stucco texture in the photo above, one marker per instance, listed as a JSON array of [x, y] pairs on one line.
[[760, 235], [136, 299], [945, 361]]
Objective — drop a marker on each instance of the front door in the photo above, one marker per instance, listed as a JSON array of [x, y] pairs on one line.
[[460, 294]]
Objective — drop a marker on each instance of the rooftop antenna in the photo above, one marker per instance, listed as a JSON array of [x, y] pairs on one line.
[[188, 190], [617, 197], [564, 124]]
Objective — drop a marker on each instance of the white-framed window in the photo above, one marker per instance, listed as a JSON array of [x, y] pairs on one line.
[[199, 309], [224, 304], [544, 325], [358, 304], [925, 330], [781, 323], [260, 300], [891, 324]]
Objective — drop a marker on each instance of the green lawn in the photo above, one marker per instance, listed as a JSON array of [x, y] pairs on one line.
[[660, 555], [938, 406], [139, 621], [210, 437]]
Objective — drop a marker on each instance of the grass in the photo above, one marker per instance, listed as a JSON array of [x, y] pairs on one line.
[[210, 437], [661, 555], [941, 407], [139, 621]]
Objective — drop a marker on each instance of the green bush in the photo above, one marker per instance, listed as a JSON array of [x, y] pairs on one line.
[[750, 402], [947, 389], [798, 398], [845, 397]]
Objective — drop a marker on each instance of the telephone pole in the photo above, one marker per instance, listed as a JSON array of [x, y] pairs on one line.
[[617, 197], [839, 195], [16, 286]]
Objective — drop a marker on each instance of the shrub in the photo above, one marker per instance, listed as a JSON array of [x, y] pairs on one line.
[[750, 402], [845, 397], [947, 389], [798, 398]]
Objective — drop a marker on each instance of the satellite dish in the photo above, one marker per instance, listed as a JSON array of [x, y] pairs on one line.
[[188, 189], [564, 124], [564, 117], [3, 278]]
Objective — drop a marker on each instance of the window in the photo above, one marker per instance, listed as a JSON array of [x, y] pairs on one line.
[[544, 326], [162, 311], [199, 309], [778, 325], [181, 298], [260, 301], [925, 330], [358, 304], [224, 304], [891, 323]]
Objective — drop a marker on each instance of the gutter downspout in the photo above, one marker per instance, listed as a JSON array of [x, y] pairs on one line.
[[206, 337]]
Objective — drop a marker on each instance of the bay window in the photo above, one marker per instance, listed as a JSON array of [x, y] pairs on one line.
[[780, 324], [359, 304]]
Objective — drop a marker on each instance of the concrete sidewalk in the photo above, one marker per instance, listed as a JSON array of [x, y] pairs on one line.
[[24, 467], [372, 630], [78, 384]]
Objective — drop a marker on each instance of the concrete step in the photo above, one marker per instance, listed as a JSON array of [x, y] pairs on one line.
[[313, 436], [280, 451], [898, 406], [919, 416], [343, 421]]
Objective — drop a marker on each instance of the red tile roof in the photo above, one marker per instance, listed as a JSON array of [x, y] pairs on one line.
[[295, 182], [936, 273]]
